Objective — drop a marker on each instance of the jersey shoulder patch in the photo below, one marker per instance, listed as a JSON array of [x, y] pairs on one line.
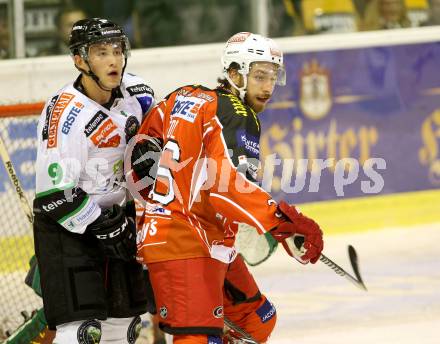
[[136, 85], [138, 88]]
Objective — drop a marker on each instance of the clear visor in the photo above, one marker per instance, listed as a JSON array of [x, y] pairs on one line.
[[263, 72], [116, 46]]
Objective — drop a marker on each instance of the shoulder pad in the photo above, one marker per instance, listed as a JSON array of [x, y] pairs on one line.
[[229, 104], [136, 85], [203, 88], [187, 89]]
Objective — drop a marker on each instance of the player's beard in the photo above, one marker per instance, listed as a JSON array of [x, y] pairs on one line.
[[255, 104]]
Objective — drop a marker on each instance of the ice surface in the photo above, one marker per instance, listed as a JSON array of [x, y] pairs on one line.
[[401, 268]]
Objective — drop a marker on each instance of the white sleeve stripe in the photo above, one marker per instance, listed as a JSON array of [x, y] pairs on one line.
[[199, 229], [197, 184], [259, 225], [151, 216], [160, 113], [207, 131], [152, 244], [225, 146], [218, 122]]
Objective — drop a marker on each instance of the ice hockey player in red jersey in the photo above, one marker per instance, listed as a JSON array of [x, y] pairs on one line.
[[204, 186]]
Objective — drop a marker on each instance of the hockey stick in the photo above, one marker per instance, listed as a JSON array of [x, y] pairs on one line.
[[24, 203], [244, 336], [295, 244], [357, 281]]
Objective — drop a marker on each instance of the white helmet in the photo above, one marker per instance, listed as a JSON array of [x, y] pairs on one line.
[[244, 48]]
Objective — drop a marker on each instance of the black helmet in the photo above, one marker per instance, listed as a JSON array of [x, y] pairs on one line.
[[86, 32]]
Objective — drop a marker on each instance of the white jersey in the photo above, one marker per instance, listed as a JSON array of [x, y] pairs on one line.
[[81, 147]]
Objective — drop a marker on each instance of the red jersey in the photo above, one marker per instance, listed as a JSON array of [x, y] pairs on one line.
[[197, 189]]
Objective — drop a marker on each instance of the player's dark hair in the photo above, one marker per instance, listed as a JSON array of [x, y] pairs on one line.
[[223, 82]]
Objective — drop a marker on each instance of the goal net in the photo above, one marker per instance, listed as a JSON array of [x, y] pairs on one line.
[[18, 124]]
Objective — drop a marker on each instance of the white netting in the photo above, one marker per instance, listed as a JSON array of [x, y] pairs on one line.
[[16, 242]]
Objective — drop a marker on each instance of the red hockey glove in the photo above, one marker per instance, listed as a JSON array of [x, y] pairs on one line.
[[300, 235]]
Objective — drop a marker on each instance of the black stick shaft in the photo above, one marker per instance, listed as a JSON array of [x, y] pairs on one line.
[[341, 272], [296, 242]]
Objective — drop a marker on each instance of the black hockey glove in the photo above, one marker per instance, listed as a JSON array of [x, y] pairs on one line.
[[116, 233], [145, 157]]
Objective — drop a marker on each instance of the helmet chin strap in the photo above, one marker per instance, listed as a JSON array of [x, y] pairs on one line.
[[241, 90], [94, 77]]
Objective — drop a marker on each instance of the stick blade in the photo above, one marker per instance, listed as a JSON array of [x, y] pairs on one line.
[[355, 265]]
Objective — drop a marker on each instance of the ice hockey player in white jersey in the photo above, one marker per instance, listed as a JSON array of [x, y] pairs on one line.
[[93, 289]]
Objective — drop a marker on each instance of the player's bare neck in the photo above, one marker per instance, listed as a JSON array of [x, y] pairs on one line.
[[94, 92]]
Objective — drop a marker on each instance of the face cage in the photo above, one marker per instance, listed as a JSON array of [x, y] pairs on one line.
[[125, 44], [281, 72]]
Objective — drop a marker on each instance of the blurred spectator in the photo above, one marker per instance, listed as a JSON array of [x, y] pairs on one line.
[[287, 20], [157, 23], [417, 12], [360, 6], [172, 22], [322, 16], [434, 12], [4, 39], [5, 52], [64, 22], [385, 14], [120, 12]]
